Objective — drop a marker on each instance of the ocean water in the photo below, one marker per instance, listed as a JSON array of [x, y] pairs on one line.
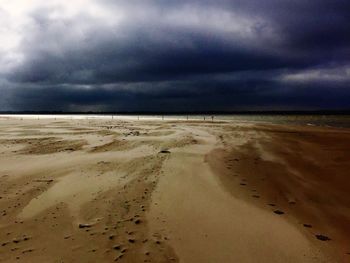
[[342, 121]]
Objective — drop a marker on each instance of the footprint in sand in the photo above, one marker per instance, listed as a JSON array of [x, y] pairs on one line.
[[307, 225], [322, 238], [131, 240], [117, 247], [278, 212]]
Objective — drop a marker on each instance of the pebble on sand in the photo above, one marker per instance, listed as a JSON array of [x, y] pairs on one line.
[[164, 151], [84, 225]]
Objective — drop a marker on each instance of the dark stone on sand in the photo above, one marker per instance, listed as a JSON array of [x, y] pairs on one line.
[[117, 247], [278, 212], [243, 184], [255, 196], [272, 205], [138, 221], [322, 238], [164, 151], [131, 240], [307, 225], [84, 225]]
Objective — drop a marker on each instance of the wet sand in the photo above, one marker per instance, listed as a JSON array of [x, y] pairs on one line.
[[172, 191]]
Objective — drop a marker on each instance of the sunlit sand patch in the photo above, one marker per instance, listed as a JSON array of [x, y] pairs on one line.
[[74, 189]]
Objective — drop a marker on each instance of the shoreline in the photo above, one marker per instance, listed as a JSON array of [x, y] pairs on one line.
[[340, 121]]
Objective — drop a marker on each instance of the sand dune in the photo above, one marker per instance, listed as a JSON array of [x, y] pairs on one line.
[[172, 191]]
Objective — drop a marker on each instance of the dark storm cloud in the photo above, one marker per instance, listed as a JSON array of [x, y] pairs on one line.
[[185, 55], [194, 94]]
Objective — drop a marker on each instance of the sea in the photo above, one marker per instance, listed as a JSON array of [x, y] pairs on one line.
[[340, 121]]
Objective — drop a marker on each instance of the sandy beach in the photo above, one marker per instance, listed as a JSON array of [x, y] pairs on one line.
[[103, 190]]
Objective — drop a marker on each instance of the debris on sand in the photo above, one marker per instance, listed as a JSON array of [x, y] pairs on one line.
[[322, 238]]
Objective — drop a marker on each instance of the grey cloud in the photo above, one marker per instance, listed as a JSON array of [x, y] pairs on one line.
[[168, 55]]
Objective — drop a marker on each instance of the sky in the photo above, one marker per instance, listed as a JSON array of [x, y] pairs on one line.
[[162, 55]]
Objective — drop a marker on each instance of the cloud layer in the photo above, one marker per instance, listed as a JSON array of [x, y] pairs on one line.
[[174, 55]]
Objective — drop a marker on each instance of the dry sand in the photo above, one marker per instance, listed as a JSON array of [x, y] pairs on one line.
[[172, 191]]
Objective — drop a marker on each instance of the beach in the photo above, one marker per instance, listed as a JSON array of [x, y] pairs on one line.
[[153, 190]]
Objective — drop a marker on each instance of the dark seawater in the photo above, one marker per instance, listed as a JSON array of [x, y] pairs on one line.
[[341, 121]]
